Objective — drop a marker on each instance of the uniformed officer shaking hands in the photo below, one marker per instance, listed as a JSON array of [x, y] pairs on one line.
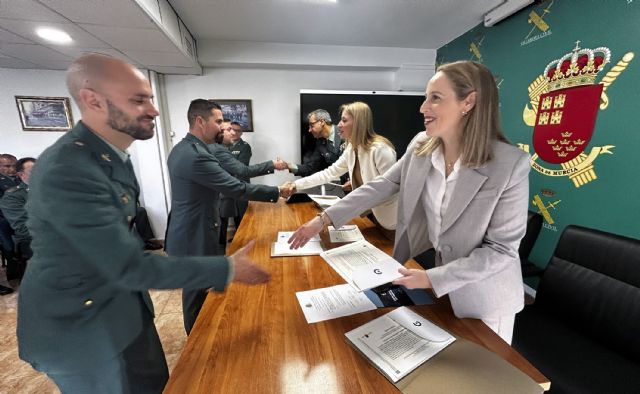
[[197, 179], [84, 313]]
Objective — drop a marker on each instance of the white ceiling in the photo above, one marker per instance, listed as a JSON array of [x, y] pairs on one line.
[[378, 23], [121, 28]]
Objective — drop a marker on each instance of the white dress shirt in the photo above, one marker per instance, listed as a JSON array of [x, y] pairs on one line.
[[439, 190]]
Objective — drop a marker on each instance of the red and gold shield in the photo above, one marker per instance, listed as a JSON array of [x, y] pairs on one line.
[[565, 121]]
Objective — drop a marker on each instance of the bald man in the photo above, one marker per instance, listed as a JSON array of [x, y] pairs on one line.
[[84, 313]]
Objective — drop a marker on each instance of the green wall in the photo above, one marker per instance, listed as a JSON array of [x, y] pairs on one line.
[[517, 50]]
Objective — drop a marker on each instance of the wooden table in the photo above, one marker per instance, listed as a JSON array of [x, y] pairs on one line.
[[255, 339]]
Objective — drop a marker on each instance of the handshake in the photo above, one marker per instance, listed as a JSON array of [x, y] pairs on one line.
[[280, 164], [287, 189]]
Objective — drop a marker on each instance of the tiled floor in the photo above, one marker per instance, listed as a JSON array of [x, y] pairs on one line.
[[16, 376]]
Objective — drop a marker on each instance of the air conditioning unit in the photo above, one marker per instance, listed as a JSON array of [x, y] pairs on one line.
[[504, 10]]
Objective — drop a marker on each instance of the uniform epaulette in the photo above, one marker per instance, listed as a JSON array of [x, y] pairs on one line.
[[12, 189]]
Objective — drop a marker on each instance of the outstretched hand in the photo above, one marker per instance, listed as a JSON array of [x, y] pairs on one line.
[[413, 279], [305, 232], [245, 270], [287, 189], [280, 164]]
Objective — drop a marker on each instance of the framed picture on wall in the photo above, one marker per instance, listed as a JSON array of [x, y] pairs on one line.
[[44, 113], [238, 111]]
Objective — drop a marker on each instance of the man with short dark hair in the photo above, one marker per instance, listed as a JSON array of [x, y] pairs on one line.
[[197, 180], [8, 178], [12, 206], [85, 317]]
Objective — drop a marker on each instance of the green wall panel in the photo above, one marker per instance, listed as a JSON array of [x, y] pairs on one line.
[[517, 50]]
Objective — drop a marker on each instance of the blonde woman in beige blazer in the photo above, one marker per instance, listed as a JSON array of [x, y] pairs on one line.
[[462, 190], [375, 155]]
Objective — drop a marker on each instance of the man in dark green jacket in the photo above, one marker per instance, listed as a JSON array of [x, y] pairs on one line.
[[197, 180], [13, 204], [84, 313]]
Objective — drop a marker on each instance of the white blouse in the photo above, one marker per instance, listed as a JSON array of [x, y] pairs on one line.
[[374, 162], [439, 190]]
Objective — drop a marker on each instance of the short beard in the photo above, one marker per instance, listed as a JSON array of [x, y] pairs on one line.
[[120, 121], [219, 138]]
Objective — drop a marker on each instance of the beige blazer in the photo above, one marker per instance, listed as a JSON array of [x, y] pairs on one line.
[[374, 161], [477, 261]]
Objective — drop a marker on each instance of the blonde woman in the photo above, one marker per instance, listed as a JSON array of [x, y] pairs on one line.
[[366, 156], [464, 191]]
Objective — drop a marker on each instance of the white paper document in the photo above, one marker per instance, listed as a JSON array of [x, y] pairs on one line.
[[346, 233], [332, 302], [282, 248], [399, 342], [324, 201], [362, 265]]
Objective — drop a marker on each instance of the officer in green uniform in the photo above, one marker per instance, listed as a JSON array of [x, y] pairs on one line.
[[8, 180], [12, 206], [197, 180], [85, 317], [232, 163]]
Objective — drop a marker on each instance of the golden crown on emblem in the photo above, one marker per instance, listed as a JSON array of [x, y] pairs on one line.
[[576, 68]]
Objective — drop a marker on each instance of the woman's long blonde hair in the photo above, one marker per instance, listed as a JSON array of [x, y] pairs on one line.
[[362, 133], [482, 123]]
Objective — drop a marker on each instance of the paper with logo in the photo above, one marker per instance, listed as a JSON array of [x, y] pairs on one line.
[[324, 201], [281, 247], [399, 342], [346, 233], [332, 302], [362, 265]]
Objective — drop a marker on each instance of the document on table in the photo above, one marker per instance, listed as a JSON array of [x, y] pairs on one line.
[[362, 265], [346, 233], [332, 302], [281, 247], [399, 342], [324, 201]]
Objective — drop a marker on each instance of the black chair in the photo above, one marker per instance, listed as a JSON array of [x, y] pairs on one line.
[[534, 224], [583, 330]]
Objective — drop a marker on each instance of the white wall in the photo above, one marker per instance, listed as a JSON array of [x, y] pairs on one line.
[[14, 82], [275, 95]]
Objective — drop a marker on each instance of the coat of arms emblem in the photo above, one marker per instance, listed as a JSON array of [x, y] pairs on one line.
[[567, 113]]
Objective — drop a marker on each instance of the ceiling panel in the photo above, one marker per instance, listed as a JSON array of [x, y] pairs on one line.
[[133, 38], [75, 52], [379, 23], [9, 62], [32, 53], [118, 13], [27, 29], [29, 10], [151, 58], [10, 38]]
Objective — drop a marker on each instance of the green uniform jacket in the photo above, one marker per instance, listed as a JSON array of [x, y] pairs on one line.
[[12, 205], [84, 292], [197, 180], [232, 164], [7, 183], [324, 154]]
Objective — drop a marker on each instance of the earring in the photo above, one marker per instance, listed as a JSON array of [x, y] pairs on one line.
[[464, 113]]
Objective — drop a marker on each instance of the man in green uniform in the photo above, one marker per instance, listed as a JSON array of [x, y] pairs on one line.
[[8, 179], [197, 180], [12, 206], [84, 313]]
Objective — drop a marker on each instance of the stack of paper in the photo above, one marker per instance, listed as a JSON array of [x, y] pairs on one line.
[[399, 342], [281, 247], [362, 265], [346, 233]]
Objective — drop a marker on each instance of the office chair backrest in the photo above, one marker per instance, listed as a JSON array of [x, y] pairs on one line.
[[534, 224], [592, 283]]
